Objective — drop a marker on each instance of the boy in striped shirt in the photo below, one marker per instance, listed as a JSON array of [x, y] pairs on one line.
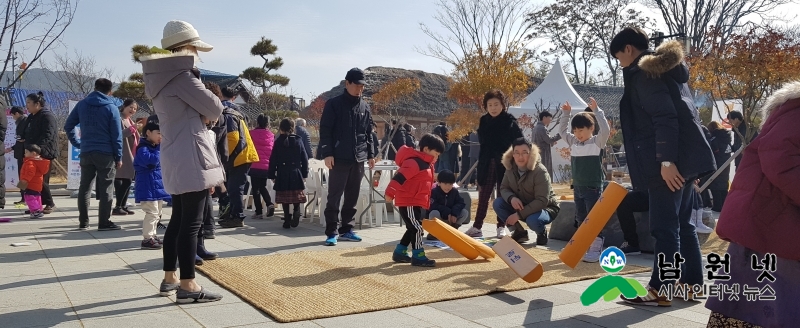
[[587, 163]]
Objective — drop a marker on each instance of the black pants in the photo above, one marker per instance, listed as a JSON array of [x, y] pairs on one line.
[[260, 190], [208, 217], [344, 179], [122, 188], [237, 178], [287, 213], [19, 174], [635, 201], [103, 167], [47, 197], [719, 199], [412, 217], [180, 239]]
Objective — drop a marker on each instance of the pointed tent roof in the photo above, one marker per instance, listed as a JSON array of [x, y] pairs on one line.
[[552, 92]]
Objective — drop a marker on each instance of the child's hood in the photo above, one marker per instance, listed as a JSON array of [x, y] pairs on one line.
[[42, 165], [406, 152]]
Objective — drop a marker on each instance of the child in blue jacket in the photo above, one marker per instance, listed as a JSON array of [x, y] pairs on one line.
[[149, 185]]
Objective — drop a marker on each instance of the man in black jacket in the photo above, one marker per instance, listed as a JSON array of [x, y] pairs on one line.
[[301, 132], [18, 113], [666, 151], [42, 130], [345, 143]]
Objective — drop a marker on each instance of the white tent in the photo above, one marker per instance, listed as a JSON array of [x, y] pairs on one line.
[[550, 95]]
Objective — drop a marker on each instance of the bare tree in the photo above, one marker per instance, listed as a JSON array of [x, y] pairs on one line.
[[75, 73], [693, 17], [476, 24], [30, 28]]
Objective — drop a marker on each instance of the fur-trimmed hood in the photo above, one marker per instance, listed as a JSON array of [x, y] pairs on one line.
[[789, 91], [508, 158], [667, 58], [159, 69]]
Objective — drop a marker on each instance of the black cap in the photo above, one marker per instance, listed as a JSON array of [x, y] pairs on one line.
[[356, 75]]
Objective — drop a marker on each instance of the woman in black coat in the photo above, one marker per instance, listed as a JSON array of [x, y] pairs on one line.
[[720, 143], [288, 169], [41, 130], [496, 130]]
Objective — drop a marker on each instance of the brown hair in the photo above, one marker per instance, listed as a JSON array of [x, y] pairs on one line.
[[714, 126], [495, 94], [214, 88]]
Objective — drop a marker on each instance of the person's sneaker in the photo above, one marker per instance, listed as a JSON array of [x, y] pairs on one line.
[[520, 235], [501, 232], [350, 236], [629, 249], [474, 232], [108, 227], [400, 254], [593, 254], [151, 243], [270, 211], [331, 241], [37, 215], [431, 237], [159, 240], [257, 217], [232, 223], [203, 296], [118, 211], [651, 299], [48, 209], [697, 221], [83, 227], [127, 210], [419, 259], [541, 238], [22, 202], [209, 234], [167, 289]]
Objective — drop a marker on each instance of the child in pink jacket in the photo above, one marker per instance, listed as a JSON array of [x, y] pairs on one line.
[[263, 139]]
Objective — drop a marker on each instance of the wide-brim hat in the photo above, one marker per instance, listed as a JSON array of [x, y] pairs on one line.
[[179, 33]]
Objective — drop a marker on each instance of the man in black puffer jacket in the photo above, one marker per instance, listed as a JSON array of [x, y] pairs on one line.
[[345, 135]]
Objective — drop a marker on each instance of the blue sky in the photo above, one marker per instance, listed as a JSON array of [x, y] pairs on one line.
[[318, 40]]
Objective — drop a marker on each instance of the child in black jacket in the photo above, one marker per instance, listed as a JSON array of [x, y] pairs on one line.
[[446, 203]]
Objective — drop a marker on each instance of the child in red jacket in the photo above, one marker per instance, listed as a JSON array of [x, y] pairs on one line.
[[410, 189], [31, 179]]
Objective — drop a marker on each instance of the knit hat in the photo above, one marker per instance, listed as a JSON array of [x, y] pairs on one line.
[[179, 33]]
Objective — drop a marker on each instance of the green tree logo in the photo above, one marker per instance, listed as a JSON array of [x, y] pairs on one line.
[[612, 260]]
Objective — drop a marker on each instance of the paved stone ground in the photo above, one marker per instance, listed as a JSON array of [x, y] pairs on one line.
[[71, 278]]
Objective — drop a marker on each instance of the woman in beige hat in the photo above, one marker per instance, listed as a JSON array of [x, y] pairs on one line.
[[188, 159]]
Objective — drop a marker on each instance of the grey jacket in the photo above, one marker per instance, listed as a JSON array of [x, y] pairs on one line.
[[188, 158], [543, 140]]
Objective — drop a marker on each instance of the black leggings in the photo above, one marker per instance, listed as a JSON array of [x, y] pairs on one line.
[[286, 212], [122, 188], [412, 216], [180, 239], [260, 190]]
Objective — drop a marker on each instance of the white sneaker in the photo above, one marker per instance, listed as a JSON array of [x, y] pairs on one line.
[[501, 232], [697, 221], [593, 254], [474, 232]]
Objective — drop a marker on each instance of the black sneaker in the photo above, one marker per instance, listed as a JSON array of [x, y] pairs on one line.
[[270, 211], [118, 211], [167, 289], [431, 237], [541, 238], [287, 223], [232, 223], [520, 234], [203, 296], [128, 211], [108, 227], [151, 243], [83, 227], [628, 249], [209, 234]]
